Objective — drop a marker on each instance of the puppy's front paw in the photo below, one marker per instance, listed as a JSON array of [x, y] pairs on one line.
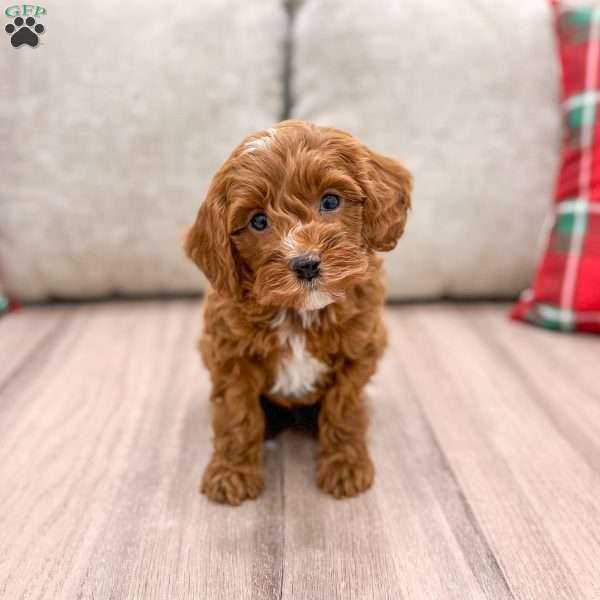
[[342, 477], [230, 484]]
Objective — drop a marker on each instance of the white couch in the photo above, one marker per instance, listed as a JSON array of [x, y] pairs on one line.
[[114, 132]]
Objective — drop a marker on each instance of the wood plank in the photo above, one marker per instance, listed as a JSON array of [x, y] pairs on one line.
[[99, 472], [411, 536], [562, 378], [532, 493], [484, 436], [24, 335]]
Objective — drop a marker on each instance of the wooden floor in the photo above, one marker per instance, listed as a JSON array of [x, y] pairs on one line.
[[485, 435]]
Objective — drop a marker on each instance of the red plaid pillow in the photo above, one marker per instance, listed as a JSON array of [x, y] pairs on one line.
[[566, 290]]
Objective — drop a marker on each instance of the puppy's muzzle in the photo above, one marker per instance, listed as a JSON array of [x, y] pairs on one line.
[[306, 267]]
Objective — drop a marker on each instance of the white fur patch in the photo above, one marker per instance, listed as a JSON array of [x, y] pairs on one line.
[[298, 372], [261, 143], [308, 317], [316, 300], [289, 242]]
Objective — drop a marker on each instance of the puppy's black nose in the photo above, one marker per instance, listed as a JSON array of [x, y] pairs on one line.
[[306, 267]]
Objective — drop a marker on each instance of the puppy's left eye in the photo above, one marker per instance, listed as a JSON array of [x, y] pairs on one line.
[[259, 222], [330, 202]]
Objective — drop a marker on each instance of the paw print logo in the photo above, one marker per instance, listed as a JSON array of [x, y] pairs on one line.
[[24, 32]]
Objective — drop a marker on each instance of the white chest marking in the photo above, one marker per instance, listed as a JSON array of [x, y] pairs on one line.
[[298, 372]]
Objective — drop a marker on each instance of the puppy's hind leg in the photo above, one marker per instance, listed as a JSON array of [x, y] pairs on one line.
[[235, 470]]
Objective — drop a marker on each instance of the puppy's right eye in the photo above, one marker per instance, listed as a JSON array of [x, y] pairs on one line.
[[259, 222]]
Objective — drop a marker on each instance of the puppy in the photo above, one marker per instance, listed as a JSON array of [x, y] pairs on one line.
[[287, 237]]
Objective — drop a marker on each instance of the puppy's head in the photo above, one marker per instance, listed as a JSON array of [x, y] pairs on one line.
[[291, 217]]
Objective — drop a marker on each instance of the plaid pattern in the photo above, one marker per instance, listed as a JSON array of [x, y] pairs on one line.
[[565, 294], [7, 305]]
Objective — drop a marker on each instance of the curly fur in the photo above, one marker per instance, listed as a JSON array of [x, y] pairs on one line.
[[260, 315]]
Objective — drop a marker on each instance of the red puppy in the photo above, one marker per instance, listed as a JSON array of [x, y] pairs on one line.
[[287, 237]]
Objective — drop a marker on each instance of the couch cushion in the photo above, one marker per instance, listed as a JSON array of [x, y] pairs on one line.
[[466, 93], [112, 128]]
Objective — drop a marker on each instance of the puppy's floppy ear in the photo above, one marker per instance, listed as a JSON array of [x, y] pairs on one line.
[[207, 242], [388, 189]]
